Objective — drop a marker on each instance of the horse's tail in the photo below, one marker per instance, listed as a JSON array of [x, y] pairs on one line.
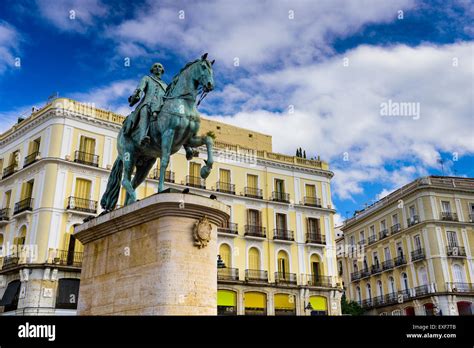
[[112, 192]]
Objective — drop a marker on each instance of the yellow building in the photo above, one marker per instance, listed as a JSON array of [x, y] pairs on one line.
[[278, 247], [411, 252]]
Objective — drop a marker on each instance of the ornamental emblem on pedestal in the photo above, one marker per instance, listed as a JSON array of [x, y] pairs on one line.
[[202, 232]]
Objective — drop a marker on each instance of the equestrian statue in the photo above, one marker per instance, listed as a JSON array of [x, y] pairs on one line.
[[165, 119]]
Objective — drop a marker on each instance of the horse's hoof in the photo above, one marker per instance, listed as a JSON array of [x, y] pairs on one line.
[[205, 171]]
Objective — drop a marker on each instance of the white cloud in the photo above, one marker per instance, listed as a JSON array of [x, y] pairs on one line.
[[72, 15], [9, 46], [257, 32]]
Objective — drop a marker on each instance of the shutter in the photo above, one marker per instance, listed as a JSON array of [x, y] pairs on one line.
[[68, 293], [83, 189], [254, 259], [310, 191], [224, 176], [195, 169], [252, 181], [224, 251]]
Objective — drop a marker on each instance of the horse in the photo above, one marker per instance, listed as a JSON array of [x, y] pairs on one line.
[[176, 125]]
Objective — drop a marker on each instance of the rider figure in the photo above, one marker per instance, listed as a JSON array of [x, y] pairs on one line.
[[153, 89]]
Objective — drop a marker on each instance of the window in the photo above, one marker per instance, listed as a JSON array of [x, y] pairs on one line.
[[281, 221], [19, 241], [194, 169], [417, 241], [68, 293], [253, 217], [310, 191], [422, 276], [361, 236], [459, 275], [7, 200], [252, 181], [315, 266], [87, 145], [283, 263], [387, 254], [379, 288], [313, 227], [383, 225], [376, 259], [226, 302], [225, 253], [254, 259], [372, 230], [446, 207], [83, 189], [395, 219], [14, 158], [452, 238], [27, 190], [279, 186], [341, 270], [224, 176], [11, 296], [366, 266], [369, 292], [399, 249], [412, 211], [359, 296], [34, 146], [391, 281], [355, 267], [405, 281]]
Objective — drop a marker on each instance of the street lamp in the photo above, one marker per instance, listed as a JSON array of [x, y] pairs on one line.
[[220, 262], [308, 307]]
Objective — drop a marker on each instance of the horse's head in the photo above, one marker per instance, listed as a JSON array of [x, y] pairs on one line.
[[203, 75]]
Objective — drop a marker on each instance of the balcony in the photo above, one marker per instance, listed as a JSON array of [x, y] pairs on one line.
[[418, 254], [386, 265], [23, 205], [9, 171], [283, 234], [255, 275], [4, 214], [285, 278], [364, 273], [372, 239], [231, 228], [231, 274], [399, 261], [395, 228], [315, 238], [367, 303], [225, 187], [449, 216], [195, 181], [318, 280], [82, 205], [67, 258], [421, 290], [460, 287], [383, 233], [312, 201], [10, 261], [376, 269], [31, 158], [413, 220], [355, 276], [255, 231], [86, 158], [471, 217], [278, 196], [455, 251], [169, 175], [362, 242], [253, 192]]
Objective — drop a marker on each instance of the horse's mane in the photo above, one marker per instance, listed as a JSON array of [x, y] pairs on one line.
[[173, 83]]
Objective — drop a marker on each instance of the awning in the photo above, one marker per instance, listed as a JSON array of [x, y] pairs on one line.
[[226, 298], [255, 300], [284, 301], [318, 303], [12, 292]]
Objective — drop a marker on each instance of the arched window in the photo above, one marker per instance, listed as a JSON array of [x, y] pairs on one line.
[[422, 276], [359, 296], [369, 292], [458, 275], [225, 253], [315, 265], [379, 288], [254, 259], [283, 262], [405, 281], [393, 288]]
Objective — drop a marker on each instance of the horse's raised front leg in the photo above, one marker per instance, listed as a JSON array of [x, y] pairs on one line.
[[166, 142], [196, 141], [127, 183]]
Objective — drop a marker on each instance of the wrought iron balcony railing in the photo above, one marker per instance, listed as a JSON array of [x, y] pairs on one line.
[[395, 228], [31, 158], [362, 242], [355, 276], [388, 264], [315, 238], [228, 274], [418, 254], [255, 231], [23, 205], [413, 220], [253, 192], [372, 239], [7, 171], [455, 251], [86, 158], [195, 181], [10, 261], [318, 280], [278, 196], [4, 214], [283, 234], [460, 287], [285, 278], [421, 290], [231, 228], [449, 216], [312, 201], [364, 273], [82, 204], [169, 175], [67, 258], [256, 275], [225, 187], [383, 233], [377, 268], [399, 260]]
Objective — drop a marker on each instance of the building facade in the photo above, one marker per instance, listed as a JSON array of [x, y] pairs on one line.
[[278, 248], [411, 252]]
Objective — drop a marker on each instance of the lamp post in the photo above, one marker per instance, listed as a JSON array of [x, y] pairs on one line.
[[308, 307], [220, 262]]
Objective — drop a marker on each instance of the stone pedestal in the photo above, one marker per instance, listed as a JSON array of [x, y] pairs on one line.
[[143, 259]]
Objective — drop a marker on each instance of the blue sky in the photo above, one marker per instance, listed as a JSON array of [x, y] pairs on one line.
[[333, 62]]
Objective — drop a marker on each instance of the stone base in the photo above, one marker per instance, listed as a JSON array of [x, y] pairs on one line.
[[142, 259]]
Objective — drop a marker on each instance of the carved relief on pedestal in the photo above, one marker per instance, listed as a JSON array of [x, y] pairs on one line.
[[202, 232]]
